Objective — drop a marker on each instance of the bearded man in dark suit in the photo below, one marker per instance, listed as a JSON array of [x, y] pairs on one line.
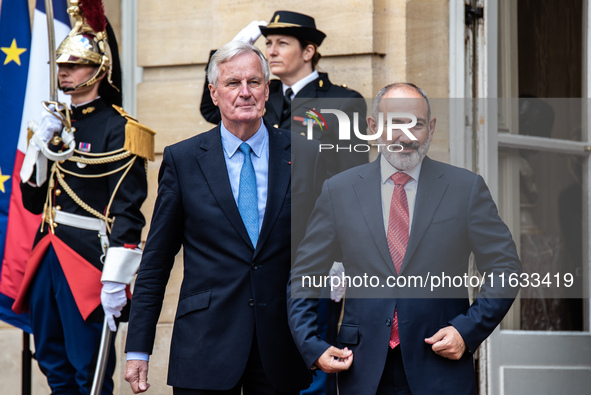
[[403, 216]]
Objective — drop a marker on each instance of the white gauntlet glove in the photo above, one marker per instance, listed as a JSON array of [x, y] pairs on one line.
[[120, 266], [113, 299], [48, 126], [42, 134], [250, 33], [338, 290]]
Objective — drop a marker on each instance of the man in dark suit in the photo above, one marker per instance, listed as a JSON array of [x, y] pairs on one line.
[[292, 43], [397, 218], [225, 197]]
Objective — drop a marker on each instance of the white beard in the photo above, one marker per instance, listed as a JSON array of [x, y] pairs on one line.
[[402, 161]]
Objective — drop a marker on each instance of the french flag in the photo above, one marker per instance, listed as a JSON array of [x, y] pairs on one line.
[[24, 84]]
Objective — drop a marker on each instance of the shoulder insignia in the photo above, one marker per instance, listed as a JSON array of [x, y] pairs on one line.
[[139, 139], [123, 113]]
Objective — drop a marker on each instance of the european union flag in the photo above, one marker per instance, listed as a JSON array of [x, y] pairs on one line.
[[15, 41]]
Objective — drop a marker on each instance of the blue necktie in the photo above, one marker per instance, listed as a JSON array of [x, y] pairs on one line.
[[247, 196]]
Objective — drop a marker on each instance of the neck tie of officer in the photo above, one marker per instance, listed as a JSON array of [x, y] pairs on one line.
[[247, 196], [286, 105], [398, 229]]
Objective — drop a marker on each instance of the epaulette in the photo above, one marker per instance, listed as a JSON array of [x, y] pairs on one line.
[[344, 86], [139, 139]]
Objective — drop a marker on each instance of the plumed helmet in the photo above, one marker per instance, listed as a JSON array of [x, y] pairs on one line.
[[88, 42]]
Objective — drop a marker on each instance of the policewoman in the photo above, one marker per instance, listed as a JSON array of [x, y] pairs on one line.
[[292, 42], [85, 172]]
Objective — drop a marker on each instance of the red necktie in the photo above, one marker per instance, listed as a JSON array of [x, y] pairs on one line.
[[398, 225]]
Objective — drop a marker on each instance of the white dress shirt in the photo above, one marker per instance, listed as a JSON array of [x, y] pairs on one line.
[[387, 170], [259, 143], [298, 86]]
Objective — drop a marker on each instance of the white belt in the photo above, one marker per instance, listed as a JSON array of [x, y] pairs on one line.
[[78, 221], [82, 222]]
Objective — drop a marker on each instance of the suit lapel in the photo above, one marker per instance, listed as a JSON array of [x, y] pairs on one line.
[[369, 195], [278, 181], [210, 156], [429, 193]]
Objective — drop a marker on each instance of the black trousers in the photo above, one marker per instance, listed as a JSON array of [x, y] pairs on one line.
[[393, 381], [253, 380]]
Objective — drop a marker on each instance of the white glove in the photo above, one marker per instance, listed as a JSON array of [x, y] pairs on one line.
[[250, 33], [113, 299], [337, 292], [48, 126]]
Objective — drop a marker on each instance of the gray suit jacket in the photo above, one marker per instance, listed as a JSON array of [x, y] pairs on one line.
[[454, 216]]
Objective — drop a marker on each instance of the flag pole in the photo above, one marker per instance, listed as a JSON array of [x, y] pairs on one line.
[[27, 358]]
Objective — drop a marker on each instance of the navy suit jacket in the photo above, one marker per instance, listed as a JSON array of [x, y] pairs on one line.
[[454, 215], [231, 291]]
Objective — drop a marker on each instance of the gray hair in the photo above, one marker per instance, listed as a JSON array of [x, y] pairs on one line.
[[398, 85], [229, 51]]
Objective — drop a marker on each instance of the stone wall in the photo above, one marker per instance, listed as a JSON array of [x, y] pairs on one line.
[[369, 44]]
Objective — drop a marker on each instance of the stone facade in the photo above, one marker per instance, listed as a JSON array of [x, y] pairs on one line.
[[369, 44]]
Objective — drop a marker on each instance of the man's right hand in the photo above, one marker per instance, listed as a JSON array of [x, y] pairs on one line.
[[335, 360], [136, 374]]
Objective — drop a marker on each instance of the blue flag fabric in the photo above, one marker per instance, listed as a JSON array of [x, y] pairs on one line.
[[15, 42]]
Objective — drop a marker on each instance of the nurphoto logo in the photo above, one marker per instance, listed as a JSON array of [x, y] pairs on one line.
[[394, 121]]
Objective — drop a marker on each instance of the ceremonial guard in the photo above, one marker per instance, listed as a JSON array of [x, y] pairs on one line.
[[85, 171]]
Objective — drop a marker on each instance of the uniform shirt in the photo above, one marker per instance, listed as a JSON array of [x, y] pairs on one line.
[[298, 86]]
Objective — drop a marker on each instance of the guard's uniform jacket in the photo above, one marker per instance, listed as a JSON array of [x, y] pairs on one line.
[[318, 91], [80, 186]]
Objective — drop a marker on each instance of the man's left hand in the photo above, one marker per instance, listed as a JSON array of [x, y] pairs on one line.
[[448, 343]]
